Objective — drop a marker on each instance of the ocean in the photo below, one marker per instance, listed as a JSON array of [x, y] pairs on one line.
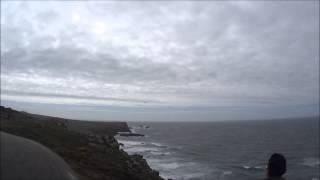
[[227, 150]]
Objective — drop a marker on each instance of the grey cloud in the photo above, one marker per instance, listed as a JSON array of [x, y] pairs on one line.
[[79, 63], [176, 52], [47, 16], [55, 95]]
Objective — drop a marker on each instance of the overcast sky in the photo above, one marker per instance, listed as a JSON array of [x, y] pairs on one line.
[[208, 60]]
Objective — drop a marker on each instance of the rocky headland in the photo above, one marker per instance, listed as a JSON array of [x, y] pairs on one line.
[[88, 147]]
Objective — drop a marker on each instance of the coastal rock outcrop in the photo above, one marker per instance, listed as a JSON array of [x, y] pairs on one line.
[[135, 164]]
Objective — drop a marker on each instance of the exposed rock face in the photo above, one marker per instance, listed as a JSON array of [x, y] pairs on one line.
[[135, 164], [139, 163], [107, 140], [92, 152], [111, 141]]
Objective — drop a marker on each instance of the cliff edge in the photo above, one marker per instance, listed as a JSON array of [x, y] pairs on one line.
[[88, 147]]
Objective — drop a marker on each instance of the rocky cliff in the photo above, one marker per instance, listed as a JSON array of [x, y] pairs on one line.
[[88, 147]]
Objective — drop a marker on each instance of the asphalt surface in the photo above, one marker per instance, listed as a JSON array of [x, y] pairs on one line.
[[24, 159]]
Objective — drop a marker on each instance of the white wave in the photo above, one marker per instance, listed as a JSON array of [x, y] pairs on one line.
[[252, 167], [169, 166], [141, 149], [227, 172], [173, 168], [158, 144], [311, 162], [133, 130], [163, 165], [259, 167], [155, 153], [160, 153]]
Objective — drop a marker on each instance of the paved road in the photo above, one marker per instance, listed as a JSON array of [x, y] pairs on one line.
[[23, 159]]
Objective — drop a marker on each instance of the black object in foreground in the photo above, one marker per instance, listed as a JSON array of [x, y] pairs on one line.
[[23, 159], [277, 166]]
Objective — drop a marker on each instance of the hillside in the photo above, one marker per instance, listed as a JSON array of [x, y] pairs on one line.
[[88, 147]]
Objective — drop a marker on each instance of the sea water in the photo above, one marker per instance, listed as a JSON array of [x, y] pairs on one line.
[[227, 150]]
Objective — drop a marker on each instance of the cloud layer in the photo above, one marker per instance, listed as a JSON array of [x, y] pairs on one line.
[[155, 54]]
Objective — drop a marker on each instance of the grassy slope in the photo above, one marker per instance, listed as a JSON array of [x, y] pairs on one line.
[[69, 140]]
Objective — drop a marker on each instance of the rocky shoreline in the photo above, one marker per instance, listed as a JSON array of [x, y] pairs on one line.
[[88, 147]]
